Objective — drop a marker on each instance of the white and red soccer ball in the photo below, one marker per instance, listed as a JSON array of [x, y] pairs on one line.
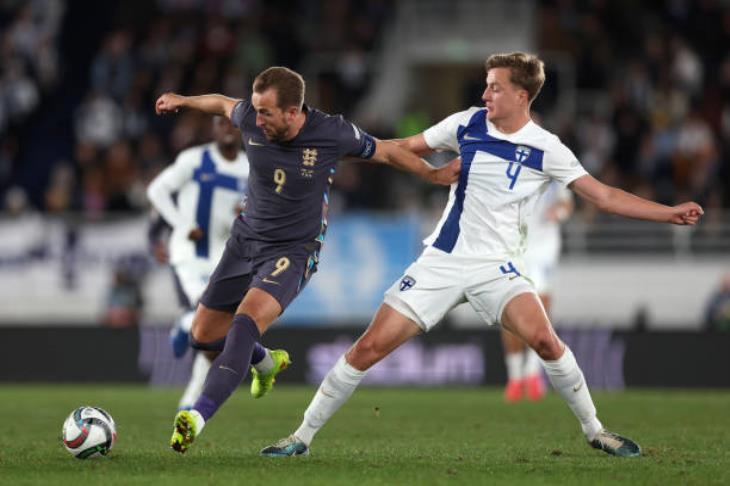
[[89, 432]]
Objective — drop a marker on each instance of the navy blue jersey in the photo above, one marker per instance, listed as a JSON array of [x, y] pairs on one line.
[[288, 184]]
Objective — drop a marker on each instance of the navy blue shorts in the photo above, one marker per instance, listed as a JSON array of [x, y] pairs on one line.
[[281, 271]]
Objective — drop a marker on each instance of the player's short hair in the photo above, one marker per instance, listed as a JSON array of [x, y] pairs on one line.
[[289, 86], [528, 71]]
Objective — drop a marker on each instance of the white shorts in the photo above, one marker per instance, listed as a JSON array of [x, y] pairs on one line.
[[194, 276], [437, 282]]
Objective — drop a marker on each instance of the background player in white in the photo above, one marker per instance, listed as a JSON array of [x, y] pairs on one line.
[[475, 253], [208, 181], [524, 372]]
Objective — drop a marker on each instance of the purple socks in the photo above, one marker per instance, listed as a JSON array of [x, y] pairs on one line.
[[259, 353], [230, 367]]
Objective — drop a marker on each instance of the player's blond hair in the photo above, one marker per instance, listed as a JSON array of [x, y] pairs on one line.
[[528, 71], [289, 86]]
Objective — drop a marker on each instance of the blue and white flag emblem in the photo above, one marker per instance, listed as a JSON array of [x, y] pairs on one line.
[[522, 153], [407, 283]]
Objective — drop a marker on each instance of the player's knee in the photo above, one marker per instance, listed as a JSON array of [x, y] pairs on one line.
[[365, 353], [202, 334], [546, 344]]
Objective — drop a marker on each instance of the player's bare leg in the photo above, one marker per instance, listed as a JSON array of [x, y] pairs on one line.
[[388, 330], [525, 316], [514, 357], [524, 370], [532, 367]]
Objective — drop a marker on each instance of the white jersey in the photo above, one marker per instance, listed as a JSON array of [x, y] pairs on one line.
[[209, 189], [502, 177]]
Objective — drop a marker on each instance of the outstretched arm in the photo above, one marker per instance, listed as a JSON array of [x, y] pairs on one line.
[[416, 144], [616, 201], [389, 152], [213, 104]]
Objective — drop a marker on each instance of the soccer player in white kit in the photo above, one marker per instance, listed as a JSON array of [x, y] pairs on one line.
[[524, 371], [208, 181], [475, 253]]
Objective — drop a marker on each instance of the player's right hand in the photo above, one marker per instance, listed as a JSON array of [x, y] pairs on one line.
[[169, 103]]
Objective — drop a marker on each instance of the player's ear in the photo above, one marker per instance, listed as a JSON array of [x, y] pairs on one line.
[[290, 112], [525, 96]]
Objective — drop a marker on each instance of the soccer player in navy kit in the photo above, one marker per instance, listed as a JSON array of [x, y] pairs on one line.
[[275, 242]]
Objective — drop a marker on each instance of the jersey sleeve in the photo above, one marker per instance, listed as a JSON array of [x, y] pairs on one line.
[[170, 181], [562, 165], [353, 141], [442, 136], [238, 112]]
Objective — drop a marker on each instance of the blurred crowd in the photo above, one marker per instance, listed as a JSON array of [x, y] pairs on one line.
[[653, 80], [654, 93], [185, 46]]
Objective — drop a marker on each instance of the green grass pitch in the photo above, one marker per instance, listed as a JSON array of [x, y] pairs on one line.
[[381, 436]]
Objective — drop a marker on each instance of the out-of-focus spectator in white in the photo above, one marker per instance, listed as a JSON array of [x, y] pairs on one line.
[[16, 202], [99, 121], [695, 158], [19, 91], [687, 68]]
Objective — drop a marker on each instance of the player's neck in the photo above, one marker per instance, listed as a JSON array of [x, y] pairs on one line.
[[512, 124]]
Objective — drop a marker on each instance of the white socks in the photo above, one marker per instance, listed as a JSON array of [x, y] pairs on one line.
[[522, 364], [266, 364], [199, 421], [531, 365], [567, 379], [201, 365], [334, 391], [513, 361]]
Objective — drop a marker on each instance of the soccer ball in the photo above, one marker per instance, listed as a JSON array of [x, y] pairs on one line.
[[89, 432]]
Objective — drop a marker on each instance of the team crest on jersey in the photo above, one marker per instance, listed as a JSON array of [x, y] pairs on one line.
[[522, 153], [407, 283], [309, 157]]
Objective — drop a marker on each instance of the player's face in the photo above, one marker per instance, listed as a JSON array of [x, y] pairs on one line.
[[271, 119], [224, 133], [502, 98]]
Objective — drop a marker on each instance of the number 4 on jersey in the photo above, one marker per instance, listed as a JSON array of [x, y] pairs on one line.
[[513, 172], [514, 168]]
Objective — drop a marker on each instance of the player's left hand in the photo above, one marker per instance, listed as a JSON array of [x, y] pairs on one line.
[[686, 213], [447, 174]]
